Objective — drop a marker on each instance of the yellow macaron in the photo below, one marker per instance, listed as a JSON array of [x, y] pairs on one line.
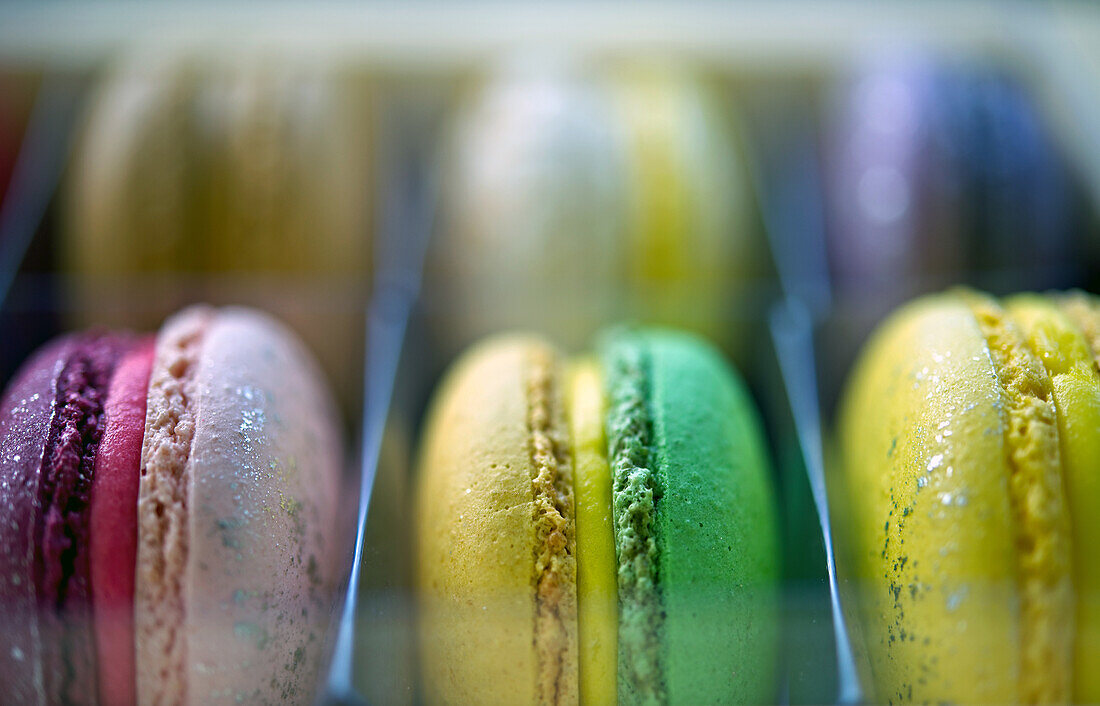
[[966, 436]]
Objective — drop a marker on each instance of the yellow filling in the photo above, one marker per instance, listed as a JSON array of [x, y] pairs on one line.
[[596, 565], [1068, 358], [1038, 508]]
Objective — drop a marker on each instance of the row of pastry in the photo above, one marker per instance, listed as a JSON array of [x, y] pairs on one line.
[[577, 195]]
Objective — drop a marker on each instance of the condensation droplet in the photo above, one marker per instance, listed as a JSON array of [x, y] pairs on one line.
[[956, 598]]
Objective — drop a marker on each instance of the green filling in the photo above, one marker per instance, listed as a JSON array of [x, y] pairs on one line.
[[635, 497]]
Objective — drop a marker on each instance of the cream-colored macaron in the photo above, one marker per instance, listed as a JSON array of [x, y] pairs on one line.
[[573, 197]]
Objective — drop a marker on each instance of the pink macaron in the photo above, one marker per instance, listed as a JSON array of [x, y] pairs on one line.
[[168, 516]]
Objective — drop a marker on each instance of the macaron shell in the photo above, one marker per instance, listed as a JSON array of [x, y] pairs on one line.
[[715, 522], [1084, 311], [287, 180], [25, 416], [112, 535], [264, 474], [51, 461], [477, 536], [933, 532], [206, 152]]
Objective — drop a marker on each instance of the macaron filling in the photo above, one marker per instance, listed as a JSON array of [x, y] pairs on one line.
[[597, 595], [1038, 507], [1069, 361], [163, 496], [62, 568], [112, 538], [555, 567], [636, 495]]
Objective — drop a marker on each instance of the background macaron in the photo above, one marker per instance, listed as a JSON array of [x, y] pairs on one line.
[[574, 196], [226, 176], [939, 169]]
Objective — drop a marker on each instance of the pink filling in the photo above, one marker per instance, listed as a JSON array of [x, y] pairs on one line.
[[113, 524]]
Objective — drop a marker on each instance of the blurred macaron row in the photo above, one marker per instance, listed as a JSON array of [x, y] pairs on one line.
[[570, 194], [572, 197]]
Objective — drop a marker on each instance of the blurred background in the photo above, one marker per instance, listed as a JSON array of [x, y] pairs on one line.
[[457, 169], [569, 164]]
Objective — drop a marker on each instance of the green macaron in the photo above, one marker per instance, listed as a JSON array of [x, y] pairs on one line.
[[599, 529]]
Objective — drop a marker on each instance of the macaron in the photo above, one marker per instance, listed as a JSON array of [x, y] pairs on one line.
[[518, 146], [893, 188], [224, 176], [168, 523], [935, 169], [968, 436], [599, 529], [590, 195]]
